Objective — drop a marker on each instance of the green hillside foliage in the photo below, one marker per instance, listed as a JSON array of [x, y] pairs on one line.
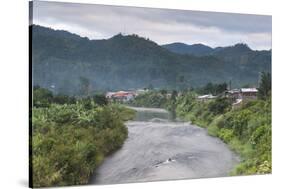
[[152, 99], [264, 90], [211, 88], [69, 140], [73, 65], [195, 49], [247, 130]]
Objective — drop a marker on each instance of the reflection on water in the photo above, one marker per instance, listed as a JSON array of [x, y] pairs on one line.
[[153, 114], [150, 116]]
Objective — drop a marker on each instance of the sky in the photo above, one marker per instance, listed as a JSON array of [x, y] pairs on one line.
[[163, 26]]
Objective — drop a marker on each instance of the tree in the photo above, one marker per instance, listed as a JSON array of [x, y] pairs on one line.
[[264, 90], [163, 92], [220, 88], [208, 88], [84, 86], [100, 100], [41, 97], [219, 106], [214, 89]]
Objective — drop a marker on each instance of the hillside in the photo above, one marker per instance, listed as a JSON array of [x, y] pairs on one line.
[[195, 49], [60, 59]]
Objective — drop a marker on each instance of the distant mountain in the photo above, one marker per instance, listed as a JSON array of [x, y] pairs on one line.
[[60, 59], [195, 49], [204, 50]]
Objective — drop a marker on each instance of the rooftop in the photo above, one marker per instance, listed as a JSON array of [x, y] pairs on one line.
[[245, 90], [209, 96]]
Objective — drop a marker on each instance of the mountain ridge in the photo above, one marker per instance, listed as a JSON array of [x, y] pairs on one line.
[[199, 49], [60, 58]]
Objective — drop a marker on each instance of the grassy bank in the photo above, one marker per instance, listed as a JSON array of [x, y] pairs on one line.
[[247, 130], [69, 140]]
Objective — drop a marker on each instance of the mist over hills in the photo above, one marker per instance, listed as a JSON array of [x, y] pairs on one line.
[[60, 59]]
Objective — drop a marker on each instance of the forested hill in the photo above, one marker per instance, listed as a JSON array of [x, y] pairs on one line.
[[61, 61], [195, 49], [204, 50]]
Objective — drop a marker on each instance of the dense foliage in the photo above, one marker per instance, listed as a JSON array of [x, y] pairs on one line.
[[43, 98], [74, 65], [70, 140], [215, 89], [195, 49], [265, 86], [247, 130], [152, 99]]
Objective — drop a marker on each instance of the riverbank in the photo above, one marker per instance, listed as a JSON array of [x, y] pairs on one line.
[[246, 130], [70, 140]]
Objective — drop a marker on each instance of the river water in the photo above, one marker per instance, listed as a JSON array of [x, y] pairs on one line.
[[159, 148]]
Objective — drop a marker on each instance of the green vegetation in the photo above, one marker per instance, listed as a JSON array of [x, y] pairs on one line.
[[70, 139], [214, 89], [246, 129], [151, 99], [75, 65], [71, 136], [265, 86]]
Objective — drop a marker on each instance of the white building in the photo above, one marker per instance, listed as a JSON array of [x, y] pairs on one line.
[[205, 98]]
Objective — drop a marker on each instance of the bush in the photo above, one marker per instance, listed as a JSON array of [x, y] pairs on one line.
[[226, 135], [100, 100], [219, 106], [246, 130], [69, 141], [41, 97]]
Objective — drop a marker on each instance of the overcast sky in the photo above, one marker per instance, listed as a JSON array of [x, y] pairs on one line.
[[160, 25]]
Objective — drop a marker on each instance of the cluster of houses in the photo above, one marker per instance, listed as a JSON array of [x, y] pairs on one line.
[[121, 96], [237, 96], [124, 96]]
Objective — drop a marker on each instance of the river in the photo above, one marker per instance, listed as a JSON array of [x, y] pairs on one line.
[[159, 148]]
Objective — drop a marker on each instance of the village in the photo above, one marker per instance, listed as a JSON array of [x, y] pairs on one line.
[[124, 96], [236, 96]]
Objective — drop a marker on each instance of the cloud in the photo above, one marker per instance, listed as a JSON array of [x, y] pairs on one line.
[[161, 25]]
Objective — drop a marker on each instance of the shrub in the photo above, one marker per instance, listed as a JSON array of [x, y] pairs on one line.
[[69, 141]]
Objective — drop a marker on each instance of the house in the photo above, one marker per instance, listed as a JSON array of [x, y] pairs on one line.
[[240, 96], [141, 91], [109, 95], [243, 93], [121, 96], [249, 93], [205, 98], [233, 94]]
